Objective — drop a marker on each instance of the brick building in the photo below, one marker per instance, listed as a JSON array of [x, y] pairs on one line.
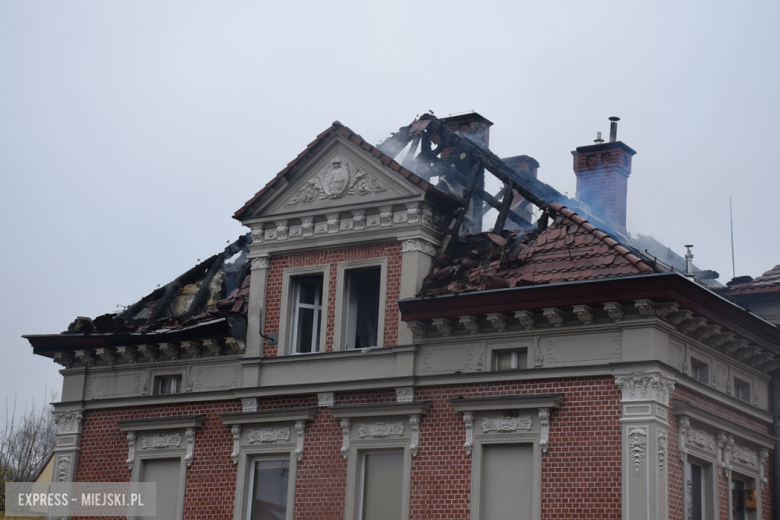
[[359, 356]]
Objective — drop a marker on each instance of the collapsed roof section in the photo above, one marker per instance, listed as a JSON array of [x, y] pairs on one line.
[[570, 249], [767, 283]]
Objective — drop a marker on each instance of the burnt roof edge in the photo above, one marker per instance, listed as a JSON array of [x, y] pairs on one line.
[[660, 287]]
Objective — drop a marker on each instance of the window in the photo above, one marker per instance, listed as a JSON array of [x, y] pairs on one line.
[[742, 390], [744, 502], [696, 490], [167, 385], [361, 297], [506, 481], [269, 480], [307, 313], [361, 287], [700, 371], [381, 494], [166, 474], [510, 359]]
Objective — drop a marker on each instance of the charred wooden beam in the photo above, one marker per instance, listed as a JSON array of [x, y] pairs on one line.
[[506, 204]]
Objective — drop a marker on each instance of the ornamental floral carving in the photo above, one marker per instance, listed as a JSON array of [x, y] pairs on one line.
[[337, 179], [745, 455], [192, 348], [333, 223], [236, 431], [722, 439], [498, 321], [412, 213], [130, 450], [645, 307], [359, 218], [682, 429], [637, 443], [345, 426], [213, 346], [470, 323], [68, 422], [300, 429], [386, 216], [63, 469], [615, 311], [381, 429], [129, 354], [414, 422], [260, 263], [170, 350], [443, 325], [665, 309], [418, 244], [307, 226], [149, 352], [703, 439], [554, 316], [645, 386], [268, 435], [584, 314], [763, 455], [63, 359], [159, 442], [326, 399], [189, 433], [85, 357], [468, 420], [249, 404], [506, 423], [236, 345], [526, 319], [257, 233], [106, 355], [544, 420], [417, 328]]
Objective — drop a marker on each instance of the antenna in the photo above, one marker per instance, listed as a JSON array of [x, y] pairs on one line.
[[731, 218]]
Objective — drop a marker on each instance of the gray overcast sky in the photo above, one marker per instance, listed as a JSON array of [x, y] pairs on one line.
[[131, 131]]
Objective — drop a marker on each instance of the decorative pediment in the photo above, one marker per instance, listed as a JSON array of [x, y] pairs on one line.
[[340, 174], [339, 178]]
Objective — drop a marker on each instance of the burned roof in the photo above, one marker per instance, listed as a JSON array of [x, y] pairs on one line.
[[215, 288], [769, 282], [570, 249]]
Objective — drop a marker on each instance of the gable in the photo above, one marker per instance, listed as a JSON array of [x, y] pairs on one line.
[[339, 169], [338, 174]]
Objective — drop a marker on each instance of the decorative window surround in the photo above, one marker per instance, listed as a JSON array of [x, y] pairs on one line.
[[715, 422], [281, 436], [503, 420], [413, 409], [497, 422], [381, 426], [135, 427], [268, 437]]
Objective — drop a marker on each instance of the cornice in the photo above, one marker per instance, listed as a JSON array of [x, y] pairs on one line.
[[720, 423], [381, 409], [162, 423], [267, 416]]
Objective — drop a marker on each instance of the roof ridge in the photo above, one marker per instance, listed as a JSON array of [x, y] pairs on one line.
[[604, 237], [356, 139]]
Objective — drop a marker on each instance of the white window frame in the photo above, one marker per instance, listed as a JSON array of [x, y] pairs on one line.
[[340, 327], [355, 446], [480, 407], [247, 452], [157, 426], [287, 308], [319, 312]]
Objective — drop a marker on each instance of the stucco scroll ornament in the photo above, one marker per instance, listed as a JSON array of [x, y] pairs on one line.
[[63, 359], [506, 423], [236, 431], [544, 419], [701, 438], [63, 468], [526, 319], [414, 422], [584, 314], [381, 429], [682, 429], [637, 443], [190, 434], [647, 386], [161, 441], [266, 435], [645, 307], [257, 233], [470, 323], [300, 429], [615, 311], [260, 263], [468, 420], [498, 321], [721, 444], [662, 443], [345, 425], [443, 325], [554, 316], [131, 450], [338, 178], [763, 455], [418, 244], [745, 455], [417, 328], [68, 422]]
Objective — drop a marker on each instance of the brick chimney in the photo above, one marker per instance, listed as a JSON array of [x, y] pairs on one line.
[[530, 166], [602, 172], [476, 128]]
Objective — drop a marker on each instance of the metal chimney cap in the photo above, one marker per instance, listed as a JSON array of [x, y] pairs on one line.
[[689, 245], [614, 118]]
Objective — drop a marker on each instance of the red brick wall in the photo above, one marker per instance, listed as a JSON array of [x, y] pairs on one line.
[[675, 464], [275, 280], [581, 472]]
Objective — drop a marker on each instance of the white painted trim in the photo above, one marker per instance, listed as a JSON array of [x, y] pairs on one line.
[[339, 339], [286, 307]]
